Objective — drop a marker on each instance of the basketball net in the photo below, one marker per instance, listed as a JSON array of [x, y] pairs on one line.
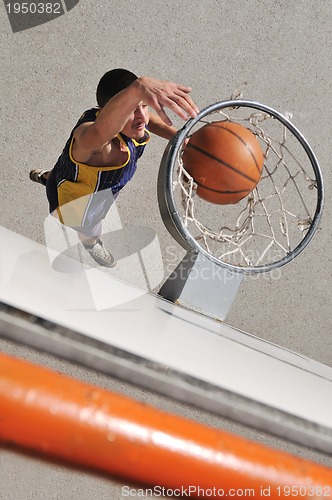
[[274, 218]]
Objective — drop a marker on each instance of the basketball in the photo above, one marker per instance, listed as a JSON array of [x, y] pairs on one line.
[[225, 160]]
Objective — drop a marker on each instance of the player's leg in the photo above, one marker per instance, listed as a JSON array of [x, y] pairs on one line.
[[78, 208], [90, 237], [39, 175]]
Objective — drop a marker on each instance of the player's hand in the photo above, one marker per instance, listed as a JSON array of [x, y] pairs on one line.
[[159, 94]]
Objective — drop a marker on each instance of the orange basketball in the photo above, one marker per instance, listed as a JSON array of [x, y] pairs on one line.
[[225, 160]]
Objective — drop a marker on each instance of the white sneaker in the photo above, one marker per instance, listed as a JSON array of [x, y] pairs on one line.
[[100, 254]]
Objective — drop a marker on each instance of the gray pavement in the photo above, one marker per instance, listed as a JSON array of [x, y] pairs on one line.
[[281, 49]]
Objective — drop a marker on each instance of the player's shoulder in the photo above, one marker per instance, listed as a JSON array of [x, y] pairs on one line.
[[89, 115]]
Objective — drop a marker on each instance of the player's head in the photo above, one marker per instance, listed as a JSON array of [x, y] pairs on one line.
[[112, 83]]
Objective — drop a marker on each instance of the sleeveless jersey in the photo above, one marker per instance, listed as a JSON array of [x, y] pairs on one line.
[[82, 194]]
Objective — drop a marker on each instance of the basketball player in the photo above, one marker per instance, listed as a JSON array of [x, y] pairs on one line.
[[101, 154]]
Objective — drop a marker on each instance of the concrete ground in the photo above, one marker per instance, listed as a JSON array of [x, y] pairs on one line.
[[281, 50]]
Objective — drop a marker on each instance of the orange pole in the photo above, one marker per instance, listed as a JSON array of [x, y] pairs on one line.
[[84, 424]]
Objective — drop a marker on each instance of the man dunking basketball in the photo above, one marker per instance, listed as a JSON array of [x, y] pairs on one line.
[[101, 154]]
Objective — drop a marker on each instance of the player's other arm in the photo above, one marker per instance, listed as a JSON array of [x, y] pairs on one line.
[[158, 127]]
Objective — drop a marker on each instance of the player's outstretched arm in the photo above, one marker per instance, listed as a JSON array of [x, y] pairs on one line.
[[111, 120], [160, 94]]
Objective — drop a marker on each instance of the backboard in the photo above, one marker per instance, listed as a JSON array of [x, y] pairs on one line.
[[86, 315]]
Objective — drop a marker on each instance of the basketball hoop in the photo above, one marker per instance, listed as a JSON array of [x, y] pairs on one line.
[[274, 223]]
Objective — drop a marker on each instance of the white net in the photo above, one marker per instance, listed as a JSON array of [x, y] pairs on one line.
[[274, 218]]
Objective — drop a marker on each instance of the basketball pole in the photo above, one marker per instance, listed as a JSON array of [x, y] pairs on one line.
[[85, 425]]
